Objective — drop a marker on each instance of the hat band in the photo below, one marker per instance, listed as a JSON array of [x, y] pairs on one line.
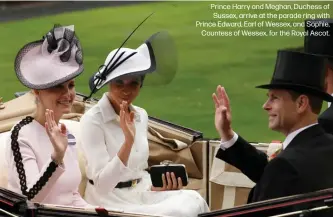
[[295, 83]]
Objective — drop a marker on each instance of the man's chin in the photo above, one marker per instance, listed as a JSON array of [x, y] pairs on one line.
[[272, 127]]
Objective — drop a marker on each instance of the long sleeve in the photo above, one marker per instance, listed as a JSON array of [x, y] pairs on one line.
[[78, 201], [246, 158], [104, 170], [227, 144], [32, 171]]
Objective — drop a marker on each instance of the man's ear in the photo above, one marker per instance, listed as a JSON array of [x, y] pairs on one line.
[[302, 103]]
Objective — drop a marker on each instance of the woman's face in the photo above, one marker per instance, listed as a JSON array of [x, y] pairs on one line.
[[59, 98], [124, 89]]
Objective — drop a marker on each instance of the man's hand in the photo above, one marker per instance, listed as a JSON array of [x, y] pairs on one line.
[[222, 114]]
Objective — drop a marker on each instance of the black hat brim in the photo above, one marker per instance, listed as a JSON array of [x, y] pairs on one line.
[[299, 88]]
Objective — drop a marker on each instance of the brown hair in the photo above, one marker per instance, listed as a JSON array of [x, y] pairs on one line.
[[315, 102]]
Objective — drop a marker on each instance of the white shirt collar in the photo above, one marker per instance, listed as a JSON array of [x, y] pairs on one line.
[[329, 103], [292, 135], [108, 112]]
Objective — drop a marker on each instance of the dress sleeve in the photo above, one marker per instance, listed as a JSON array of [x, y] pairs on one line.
[[105, 170], [32, 172]]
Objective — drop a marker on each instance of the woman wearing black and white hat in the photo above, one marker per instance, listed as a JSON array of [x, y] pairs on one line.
[[114, 135], [41, 153]]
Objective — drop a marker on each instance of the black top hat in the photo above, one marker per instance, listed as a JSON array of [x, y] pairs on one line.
[[300, 72], [321, 45]]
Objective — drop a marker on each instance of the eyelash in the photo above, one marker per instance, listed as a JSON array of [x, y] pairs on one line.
[[133, 83], [70, 86], [272, 98]]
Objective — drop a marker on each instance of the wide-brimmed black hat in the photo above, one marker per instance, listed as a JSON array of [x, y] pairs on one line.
[[313, 41], [300, 72]]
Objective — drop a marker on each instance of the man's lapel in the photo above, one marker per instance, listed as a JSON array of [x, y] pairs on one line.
[[304, 136], [300, 139]]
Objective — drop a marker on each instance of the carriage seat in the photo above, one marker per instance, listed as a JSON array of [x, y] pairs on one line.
[[167, 141]]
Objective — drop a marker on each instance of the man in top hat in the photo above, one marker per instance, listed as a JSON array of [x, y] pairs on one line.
[[322, 45], [295, 97]]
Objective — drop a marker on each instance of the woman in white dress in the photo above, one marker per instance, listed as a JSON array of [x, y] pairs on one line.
[[115, 143]]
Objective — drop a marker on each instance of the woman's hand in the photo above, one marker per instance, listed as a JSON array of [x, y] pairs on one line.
[[170, 183], [57, 135], [127, 123]]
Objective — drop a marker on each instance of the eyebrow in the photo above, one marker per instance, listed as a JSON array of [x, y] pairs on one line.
[[63, 85], [132, 81], [272, 95]]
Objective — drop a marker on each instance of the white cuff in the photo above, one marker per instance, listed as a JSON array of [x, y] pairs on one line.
[[228, 144]]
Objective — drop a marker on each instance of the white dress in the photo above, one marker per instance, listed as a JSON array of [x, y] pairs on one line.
[[102, 138]]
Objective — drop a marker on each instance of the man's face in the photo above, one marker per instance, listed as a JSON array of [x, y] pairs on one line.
[[282, 111]]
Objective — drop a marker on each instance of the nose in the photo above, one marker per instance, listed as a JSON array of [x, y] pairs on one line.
[[266, 106], [66, 91], [127, 90]]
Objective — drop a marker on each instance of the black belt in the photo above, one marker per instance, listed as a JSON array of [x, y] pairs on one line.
[[127, 184]]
